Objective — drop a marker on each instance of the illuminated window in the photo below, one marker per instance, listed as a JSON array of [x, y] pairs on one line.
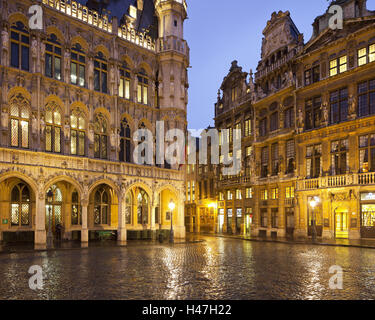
[[249, 151], [339, 106], [19, 46], [19, 122], [339, 157], [100, 73], [362, 56], [313, 113], [76, 209], [193, 190], [333, 67], [221, 196], [129, 208], [238, 194], [289, 192], [77, 66], [366, 98], [20, 207], [53, 128], [229, 195], [264, 162], [77, 133], [367, 153], [339, 65], [53, 58], [264, 195], [247, 128], [371, 55], [274, 193], [125, 141], [343, 62], [100, 137], [142, 207], [234, 93], [249, 193], [124, 88], [142, 89], [189, 191], [102, 206], [313, 161]]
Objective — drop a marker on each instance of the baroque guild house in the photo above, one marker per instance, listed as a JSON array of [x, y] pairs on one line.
[[72, 95], [307, 118]]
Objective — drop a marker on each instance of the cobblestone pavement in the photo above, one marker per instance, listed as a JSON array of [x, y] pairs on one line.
[[218, 268]]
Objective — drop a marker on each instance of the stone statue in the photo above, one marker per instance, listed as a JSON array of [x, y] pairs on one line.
[[113, 139], [4, 118], [5, 44], [90, 134], [67, 61], [34, 124], [34, 53], [325, 112], [300, 122], [112, 75], [42, 50], [42, 125], [352, 105], [67, 130]]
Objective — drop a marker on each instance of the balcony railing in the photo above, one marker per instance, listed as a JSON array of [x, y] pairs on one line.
[[337, 181], [172, 43]]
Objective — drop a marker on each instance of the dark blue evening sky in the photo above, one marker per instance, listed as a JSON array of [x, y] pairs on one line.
[[221, 31]]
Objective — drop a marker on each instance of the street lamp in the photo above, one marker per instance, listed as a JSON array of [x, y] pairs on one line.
[[171, 207], [49, 235], [313, 203]]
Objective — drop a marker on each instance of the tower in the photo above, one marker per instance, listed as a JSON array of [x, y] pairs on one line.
[[173, 54]]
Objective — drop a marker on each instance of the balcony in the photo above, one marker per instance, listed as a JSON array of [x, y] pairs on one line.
[[338, 181], [172, 43], [228, 182]]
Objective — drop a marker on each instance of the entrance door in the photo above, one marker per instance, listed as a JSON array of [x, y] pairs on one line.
[[341, 225], [220, 221], [247, 225], [55, 211]]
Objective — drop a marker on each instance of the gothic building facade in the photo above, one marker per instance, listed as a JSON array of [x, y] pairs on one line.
[[72, 95], [308, 131]]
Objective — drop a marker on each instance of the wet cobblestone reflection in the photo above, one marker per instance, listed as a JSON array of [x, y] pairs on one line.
[[215, 269]]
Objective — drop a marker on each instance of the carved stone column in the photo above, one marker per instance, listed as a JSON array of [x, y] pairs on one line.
[[121, 231], [40, 220], [84, 231]]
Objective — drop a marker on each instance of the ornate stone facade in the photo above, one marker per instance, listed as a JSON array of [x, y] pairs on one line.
[[311, 113], [72, 95]]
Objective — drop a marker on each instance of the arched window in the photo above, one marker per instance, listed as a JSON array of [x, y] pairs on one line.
[[19, 121], [53, 128], [77, 66], [20, 208], [142, 207], [53, 58], [124, 88], [54, 208], [76, 209], [100, 73], [125, 141], [142, 90], [77, 133], [102, 207], [20, 46], [101, 137], [128, 208]]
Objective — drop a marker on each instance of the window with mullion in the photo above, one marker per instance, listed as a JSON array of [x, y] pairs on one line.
[[53, 58], [289, 118], [264, 160], [263, 127], [53, 130], [313, 113], [100, 137], [366, 98], [275, 159], [340, 157], [125, 142], [19, 47], [19, 125], [142, 89], [338, 65], [274, 121], [78, 66], [313, 161], [339, 106], [77, 133], [367, 153], [290, 156], [100, 73], [124, 87]]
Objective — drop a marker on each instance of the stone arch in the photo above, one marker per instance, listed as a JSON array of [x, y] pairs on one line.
[[18, 16], [82, 42], [80, 105], [16, 90], [106, 114], [107, 182], [139, 184], [147, 124], [57, 32], [144, 65], [104, 50], [62, 178], [15, 174], [169, 187], [126, 58], [130, 120]]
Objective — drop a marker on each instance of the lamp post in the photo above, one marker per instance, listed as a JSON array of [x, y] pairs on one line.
[[313, 204], [49, 235], [171, 207]]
